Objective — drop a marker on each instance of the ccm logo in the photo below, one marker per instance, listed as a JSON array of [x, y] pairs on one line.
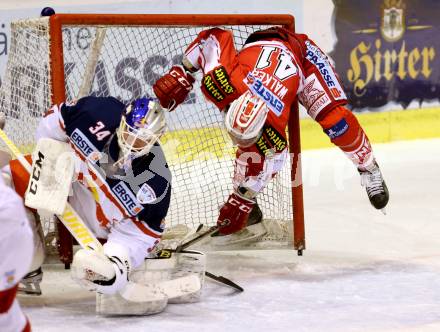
[[182, 80], [36, 171], [241, 206]]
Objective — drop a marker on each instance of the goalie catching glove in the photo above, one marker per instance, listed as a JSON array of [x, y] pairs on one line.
[[172, 88], [105, 273], [234, 214]]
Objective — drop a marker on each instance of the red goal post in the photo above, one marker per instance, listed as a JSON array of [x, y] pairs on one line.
[[165, 31]]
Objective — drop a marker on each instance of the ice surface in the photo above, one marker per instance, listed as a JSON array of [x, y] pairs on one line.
[[362, 271]]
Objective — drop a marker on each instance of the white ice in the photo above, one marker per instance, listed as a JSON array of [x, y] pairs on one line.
[[362, 271]]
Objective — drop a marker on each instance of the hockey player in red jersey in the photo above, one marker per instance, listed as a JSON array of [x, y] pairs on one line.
[[16, 251], [257, 87]]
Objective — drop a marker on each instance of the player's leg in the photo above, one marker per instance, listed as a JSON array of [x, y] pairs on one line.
[[12, 317], [345, 132], [16, 178], [324, 97], [30, 283], [15, 257]]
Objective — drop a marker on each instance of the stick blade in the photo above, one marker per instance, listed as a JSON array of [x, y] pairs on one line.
[[225, 281]]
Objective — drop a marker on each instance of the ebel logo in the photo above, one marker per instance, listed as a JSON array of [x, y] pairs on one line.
[[10, 277], [127, 198], [270, 99], [82, 142], [338, 129], [146, 194]]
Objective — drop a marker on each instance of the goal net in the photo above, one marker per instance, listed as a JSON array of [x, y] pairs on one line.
[[67, 56]]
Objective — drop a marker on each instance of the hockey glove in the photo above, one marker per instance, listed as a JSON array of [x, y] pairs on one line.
[[234, 214], [104, 273], [172, 88]]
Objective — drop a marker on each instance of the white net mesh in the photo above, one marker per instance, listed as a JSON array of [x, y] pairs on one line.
[[125, 63]]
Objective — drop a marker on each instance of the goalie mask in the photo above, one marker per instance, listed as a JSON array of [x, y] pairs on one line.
[[142, 124], [245, 119]]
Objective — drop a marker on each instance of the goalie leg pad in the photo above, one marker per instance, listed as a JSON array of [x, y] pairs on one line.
[[179, 276], [114, 305], [98, 272], [144, 294], [190, 263], [173, 278]]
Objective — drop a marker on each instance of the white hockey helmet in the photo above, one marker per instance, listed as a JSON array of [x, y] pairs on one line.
[[142, 124], [245, 119]]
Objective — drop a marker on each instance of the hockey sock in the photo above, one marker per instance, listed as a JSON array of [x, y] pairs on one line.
[[7, 297], [345, 131]]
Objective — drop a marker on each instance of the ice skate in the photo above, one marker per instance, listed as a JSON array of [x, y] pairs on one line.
[[377, 191], [30, 284]]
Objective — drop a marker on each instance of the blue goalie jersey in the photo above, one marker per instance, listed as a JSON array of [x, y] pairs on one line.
[[139, 192]]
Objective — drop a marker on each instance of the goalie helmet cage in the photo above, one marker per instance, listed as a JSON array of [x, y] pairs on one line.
[[65, 56]]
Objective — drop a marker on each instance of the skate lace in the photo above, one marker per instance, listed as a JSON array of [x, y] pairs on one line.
[[373, 182]]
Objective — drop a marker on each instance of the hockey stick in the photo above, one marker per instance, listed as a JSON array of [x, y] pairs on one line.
[[224, 280], [196, 239], [87, 240]]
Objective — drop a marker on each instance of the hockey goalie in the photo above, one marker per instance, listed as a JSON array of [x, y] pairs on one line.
[[104, 159]]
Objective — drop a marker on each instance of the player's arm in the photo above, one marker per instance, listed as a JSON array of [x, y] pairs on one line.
[[52, 125], [211, 48], [252, 173]]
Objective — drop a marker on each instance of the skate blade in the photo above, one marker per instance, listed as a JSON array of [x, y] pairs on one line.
[[29, 290], [30, 284]]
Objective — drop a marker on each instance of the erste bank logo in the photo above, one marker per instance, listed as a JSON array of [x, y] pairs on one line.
[[127, 198]]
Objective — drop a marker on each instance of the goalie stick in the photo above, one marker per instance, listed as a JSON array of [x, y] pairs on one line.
[[224, 280], [135, 292], [211, 231]]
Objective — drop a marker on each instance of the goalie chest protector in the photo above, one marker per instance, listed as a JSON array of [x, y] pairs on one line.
[[91, 125]]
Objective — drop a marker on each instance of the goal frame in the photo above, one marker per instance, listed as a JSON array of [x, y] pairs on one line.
[[58, 92]]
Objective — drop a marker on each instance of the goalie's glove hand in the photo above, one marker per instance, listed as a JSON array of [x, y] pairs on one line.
[[172, 88], [104, 273], [234, 214]]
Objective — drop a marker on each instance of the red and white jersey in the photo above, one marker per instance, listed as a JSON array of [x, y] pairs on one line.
[[16, 238], [16, 253], [278, 66]]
